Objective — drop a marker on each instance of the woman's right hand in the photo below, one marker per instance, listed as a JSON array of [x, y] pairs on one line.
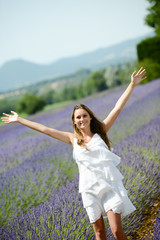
[[10, 118]]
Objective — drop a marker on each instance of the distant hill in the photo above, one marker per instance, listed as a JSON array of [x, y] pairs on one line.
[[18, 73]]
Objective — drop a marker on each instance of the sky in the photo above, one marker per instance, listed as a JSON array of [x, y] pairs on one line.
[[43, 31]]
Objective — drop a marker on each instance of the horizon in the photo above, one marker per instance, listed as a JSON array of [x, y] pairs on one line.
[[43, 33], [72, 56]]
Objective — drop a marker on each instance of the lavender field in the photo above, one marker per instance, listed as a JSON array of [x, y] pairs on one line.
[[39, 196]]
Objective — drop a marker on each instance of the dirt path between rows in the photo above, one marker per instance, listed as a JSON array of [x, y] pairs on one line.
[[148, 222]]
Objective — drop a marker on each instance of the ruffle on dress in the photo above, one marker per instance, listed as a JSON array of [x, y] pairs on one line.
[[96, 163], [100, 182], [106, 198]]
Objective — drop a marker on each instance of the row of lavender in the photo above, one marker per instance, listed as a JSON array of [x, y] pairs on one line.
[[63, 216], [141, 157], [30, 183]]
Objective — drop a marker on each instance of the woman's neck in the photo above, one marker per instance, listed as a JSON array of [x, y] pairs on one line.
[[87, 134]]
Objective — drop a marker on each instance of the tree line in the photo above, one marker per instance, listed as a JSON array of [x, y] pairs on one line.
[[148, 50], [97, 81]]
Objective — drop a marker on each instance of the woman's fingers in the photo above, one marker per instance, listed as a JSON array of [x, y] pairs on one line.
[[13, 112], [139, 71], [143, 78], [134, 73], [6, 114], [139, 76], [143, 72], [9, 117], [5, 120]]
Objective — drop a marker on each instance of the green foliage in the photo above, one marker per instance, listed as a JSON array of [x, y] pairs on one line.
[[152, 69], [149, 48], [6, 105], [111, 76], [85, 89], [30, 104], [68, 93], [96, 82], [153, 18], [126, 71], [80, 91], [49, 97], [56, 105]]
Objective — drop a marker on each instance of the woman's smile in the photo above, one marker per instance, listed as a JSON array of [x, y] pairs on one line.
[[82, 118]]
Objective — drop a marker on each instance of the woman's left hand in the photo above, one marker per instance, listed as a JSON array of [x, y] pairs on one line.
[[138, 77]]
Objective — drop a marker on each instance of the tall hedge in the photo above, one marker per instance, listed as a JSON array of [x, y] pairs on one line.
[[152, 68], [149, 48]]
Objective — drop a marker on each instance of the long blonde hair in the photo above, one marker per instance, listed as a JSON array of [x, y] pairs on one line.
[[96, 127]]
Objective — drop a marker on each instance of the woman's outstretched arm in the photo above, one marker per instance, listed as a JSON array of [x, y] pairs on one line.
[[66, 137], [136, 78]]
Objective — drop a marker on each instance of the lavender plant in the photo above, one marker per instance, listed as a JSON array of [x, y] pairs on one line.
[[35, 169], [63, 216], [19, 143]]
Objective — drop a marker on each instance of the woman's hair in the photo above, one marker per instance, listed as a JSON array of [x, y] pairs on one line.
[[95, 125]]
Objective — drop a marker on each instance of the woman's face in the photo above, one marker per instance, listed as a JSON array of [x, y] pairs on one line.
[[82, 118]]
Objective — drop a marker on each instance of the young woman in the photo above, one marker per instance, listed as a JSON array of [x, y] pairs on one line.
[[100, 182]]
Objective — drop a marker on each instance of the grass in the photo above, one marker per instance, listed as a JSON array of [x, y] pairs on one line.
[[55, 105]]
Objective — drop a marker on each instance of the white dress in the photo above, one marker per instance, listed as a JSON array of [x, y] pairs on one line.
[[100, 182]]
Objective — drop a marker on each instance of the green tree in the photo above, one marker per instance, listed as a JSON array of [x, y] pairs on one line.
[[96, 82], [7, 104], [30, 104], [126, 70], [49, 97], [152, 69], [80, 91], [111, 76], [153, 18], [149, 48], [68, 93]]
